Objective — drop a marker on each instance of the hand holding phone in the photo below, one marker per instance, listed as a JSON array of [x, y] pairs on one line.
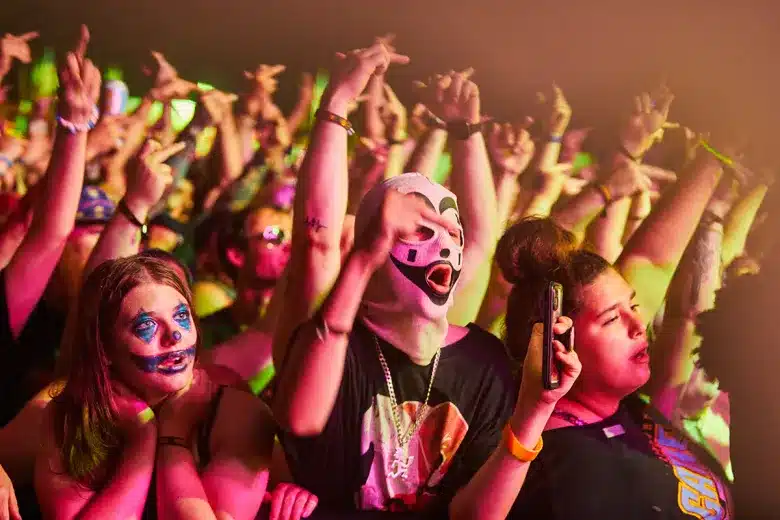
[[551, 307]]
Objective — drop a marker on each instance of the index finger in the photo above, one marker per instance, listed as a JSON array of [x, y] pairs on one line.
[[467, 72], [273, 70], [163, 155], [26, 37]]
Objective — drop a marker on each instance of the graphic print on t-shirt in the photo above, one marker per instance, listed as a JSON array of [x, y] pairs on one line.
[[699, 491], [432, 447]]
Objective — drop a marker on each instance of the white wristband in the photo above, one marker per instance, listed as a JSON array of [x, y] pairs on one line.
[[74, 128]]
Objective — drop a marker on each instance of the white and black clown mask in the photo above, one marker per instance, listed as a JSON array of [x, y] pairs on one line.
[[420, 276]]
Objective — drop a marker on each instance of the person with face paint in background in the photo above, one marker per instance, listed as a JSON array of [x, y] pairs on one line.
[[140, 429], [371, 389]]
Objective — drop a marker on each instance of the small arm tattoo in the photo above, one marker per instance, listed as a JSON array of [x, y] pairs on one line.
[[314, 223]]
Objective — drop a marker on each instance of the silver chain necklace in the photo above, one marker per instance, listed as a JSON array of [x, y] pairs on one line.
[[399, 467]]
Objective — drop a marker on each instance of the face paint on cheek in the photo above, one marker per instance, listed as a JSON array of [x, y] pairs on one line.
[[168, 364], [144, 327], [182, 317]]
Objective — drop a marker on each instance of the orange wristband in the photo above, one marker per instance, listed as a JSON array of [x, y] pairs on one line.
[[516, 448]]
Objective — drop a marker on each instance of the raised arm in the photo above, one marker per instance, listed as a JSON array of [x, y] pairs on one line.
[[691, 292], [148, 181], [14, 47], [493, 489], [310, 376], [650, 258], [31, 267], [321, 193]]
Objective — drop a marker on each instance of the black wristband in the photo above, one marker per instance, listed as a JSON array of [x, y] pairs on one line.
[[462, 129], [124, 210]]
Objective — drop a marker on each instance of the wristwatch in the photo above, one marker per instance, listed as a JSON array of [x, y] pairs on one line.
[[462, 129]]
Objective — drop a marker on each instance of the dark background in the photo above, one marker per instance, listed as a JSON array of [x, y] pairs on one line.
[[719, 57]]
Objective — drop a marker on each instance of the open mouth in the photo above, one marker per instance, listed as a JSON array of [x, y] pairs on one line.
[[642, 356], [439, 278], [175, 362]]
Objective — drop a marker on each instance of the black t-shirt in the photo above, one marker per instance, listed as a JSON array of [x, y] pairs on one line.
[[26, 364], [347, 465], [631, 465]]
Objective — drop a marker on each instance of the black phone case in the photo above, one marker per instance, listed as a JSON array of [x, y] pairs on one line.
[[551, 310]]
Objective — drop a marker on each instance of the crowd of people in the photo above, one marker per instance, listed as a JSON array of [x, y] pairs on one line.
[[303, 315]]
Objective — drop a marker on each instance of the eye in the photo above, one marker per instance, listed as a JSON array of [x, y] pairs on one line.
[[611, 320], [145, 326], [635, 307], [182, 316], [421, 234]]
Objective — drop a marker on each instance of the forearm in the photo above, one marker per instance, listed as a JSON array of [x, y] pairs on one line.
[[493, 489], [507, 190], [663, 238], [739, 222], [426, 154], [640, 209], [125, 495], [180, 493], [121, 237], [321, 196], [396, 159], [692, 291], [298, 114], [374, 127], [311, 372], [472, 183], [578, 213], [232, 161], [62, 188], [605, 232]]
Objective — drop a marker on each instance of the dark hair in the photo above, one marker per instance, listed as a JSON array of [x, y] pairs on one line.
[[85, 419], [532, 253], [165, 256]]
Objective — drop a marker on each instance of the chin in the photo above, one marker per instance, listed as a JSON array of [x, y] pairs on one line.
[[172, 383]]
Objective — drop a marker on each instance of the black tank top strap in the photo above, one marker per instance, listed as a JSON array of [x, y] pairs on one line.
[[204, 435]]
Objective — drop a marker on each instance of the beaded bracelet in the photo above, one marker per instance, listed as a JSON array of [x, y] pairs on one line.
[[77, 128]]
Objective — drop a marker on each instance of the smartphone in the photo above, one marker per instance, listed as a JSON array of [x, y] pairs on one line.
[[552, 304]]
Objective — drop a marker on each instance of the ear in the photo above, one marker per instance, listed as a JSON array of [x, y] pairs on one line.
[[235, 256]]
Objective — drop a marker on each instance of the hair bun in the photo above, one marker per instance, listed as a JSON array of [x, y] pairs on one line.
[[533, 249]]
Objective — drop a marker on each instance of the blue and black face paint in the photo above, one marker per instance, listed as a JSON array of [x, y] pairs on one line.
[[178, 360], [181, 315], [144, 327]]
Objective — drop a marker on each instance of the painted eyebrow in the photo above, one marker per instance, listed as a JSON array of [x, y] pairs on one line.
[[181, 307], [613, 307]]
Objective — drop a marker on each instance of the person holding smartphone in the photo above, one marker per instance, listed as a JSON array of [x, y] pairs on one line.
[[606, 453]]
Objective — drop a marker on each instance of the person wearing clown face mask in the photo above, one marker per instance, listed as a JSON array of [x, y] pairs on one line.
[[370, 389]]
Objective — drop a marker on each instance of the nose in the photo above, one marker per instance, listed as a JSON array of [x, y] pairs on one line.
[[445, 253], [636, 327]]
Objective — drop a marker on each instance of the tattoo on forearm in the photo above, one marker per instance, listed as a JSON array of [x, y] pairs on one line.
[[706, 263], [314, 223]]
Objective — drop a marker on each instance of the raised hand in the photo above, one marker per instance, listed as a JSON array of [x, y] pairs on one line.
[[80, 82], [290, 502], [15, 48], [264, 78], [452, 96], [510, 146], [559, 112], [629, 179], [216, 105], [647, 121], [395, 114], [352, 72], [399, 216], [150, 177], [532, 391], [165, 71]]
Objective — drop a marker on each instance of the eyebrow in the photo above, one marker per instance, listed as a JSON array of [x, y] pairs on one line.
[[181, 307], [615, 306]]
